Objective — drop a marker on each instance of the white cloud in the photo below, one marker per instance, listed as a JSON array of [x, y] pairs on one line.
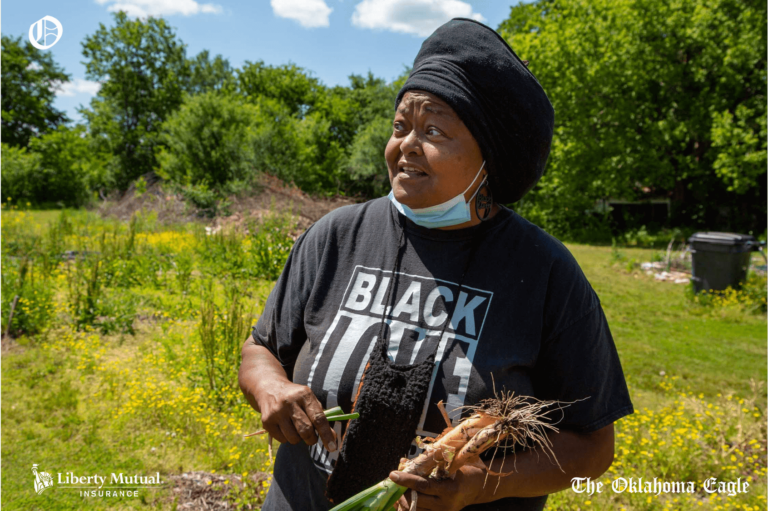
[[309, 13], [146, 8], [418, 17], [77, 86]]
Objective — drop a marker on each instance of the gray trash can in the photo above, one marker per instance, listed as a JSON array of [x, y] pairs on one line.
[[720, 259]]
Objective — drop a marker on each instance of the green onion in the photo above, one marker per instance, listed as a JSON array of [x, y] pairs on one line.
[[337, 414], [344, 417], [379, 497], [332, 414], [333, 411], [361, 500]]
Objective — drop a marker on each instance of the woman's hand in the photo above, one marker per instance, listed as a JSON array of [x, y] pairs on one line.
[[443, 495], [578, 455], [289, 412]]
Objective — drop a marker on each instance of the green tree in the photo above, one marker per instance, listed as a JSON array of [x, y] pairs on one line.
[[302, 128], [27, 86], [304, 131], [352, 108], [366, 166], [143, 69], [739, 138], [651, 97], [290, 84], [372, 105], [206, 74], [208, 140], [373, 97]]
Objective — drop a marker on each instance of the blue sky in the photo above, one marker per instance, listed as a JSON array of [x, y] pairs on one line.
[[331, 38]]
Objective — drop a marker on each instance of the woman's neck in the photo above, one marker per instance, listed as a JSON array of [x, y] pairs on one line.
[[475, 220]]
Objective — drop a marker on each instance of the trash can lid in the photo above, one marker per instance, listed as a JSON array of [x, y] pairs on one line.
[[721, 238]]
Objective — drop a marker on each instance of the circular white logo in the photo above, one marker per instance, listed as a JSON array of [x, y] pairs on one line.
[[40, 30]]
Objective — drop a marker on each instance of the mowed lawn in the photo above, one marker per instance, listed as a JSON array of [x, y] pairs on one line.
[[657, 329], [89, 403]]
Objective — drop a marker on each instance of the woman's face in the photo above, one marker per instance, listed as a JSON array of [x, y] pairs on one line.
[[432, 157]]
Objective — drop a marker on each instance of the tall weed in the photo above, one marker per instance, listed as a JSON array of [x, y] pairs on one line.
[[28, 294], [271, 244], [222, 331], [91, 304], [259, 252]]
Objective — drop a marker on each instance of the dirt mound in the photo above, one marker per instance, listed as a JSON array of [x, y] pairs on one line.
[[269, 195]]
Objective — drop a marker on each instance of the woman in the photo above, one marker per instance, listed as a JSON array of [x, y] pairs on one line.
[[438, 270]]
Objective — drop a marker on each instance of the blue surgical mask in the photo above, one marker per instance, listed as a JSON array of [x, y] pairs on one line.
[[451, 212]]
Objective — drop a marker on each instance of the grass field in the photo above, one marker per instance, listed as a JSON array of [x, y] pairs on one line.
[[125, 351]]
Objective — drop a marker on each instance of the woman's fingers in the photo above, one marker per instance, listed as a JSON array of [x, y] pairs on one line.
[[271, 423], [289, 432], [320, 422], [284, 430], [414, 482], [303, 425], [295, 415], [276, 434]]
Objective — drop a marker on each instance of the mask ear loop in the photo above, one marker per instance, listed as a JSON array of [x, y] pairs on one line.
[[473, 181]]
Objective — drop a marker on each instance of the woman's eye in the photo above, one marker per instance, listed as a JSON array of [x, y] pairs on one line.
[[433, 131], [397, 126]]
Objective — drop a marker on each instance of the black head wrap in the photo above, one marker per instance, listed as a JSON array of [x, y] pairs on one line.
[[470, 67]]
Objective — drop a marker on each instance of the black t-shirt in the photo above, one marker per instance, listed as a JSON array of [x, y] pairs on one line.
[[525, 319]]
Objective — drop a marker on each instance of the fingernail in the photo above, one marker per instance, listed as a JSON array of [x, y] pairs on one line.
[[332, 446], [394, 477]]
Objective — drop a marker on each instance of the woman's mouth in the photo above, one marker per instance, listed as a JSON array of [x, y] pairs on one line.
[[411, 172]]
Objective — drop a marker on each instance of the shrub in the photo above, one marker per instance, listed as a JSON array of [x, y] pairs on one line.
[[754, 292], [206, 201], [71, 167], [208, 140], [60, 167], [304, 151], [751, 297], [19, 167]]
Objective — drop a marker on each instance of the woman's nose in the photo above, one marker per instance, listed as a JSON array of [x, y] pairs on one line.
[[411, 144]]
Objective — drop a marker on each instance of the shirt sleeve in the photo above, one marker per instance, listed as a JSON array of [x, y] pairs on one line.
[[280, 328], [578, 364]]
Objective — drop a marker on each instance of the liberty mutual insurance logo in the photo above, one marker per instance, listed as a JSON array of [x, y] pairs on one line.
[[116, 484], [44, 30], [43, 480]]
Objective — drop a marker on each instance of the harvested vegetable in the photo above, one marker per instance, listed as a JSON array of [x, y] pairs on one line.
[[332, 414], [505, 421]]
